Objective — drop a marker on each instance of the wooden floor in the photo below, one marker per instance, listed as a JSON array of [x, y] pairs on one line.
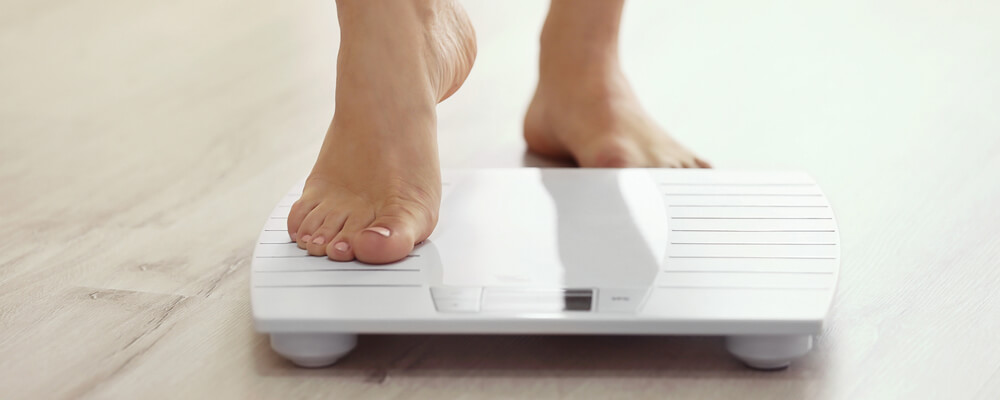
[[142, 144]]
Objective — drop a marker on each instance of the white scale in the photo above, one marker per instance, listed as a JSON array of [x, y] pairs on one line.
[[751, 256]]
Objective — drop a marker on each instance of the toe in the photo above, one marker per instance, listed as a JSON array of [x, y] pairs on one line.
[[611, 152], [381, 244], [310, 224], [607, 160], [325, 233], [316, 246], [667, 161], [300, 209], [689, 160], [672, 163], [339, 249], [390, 238]]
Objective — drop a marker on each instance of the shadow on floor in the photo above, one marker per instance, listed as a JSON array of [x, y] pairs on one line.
[[377, 356]]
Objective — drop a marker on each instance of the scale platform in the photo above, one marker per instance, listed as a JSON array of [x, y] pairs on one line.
[[752, 256]]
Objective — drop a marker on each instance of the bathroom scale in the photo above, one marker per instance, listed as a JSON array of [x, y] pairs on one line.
[[751, 256]]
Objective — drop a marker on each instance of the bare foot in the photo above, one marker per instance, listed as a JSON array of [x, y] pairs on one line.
[[376, 186], [600, 124], [584, 108]]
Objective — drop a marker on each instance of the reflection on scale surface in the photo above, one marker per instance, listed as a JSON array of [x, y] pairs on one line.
[[551, 242]]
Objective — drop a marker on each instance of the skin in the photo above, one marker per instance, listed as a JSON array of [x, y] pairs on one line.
[[375, 189]]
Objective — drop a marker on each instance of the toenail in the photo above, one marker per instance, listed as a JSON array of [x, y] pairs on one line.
[[379, 230], [318, 240], [307, 238], [295, 237], [342, 246]]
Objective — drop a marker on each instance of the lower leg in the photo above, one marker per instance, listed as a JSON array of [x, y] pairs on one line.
[[581, 37], [584, 108]]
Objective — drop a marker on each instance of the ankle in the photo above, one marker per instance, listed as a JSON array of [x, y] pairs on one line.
[[598, 85], [581, 35], [577, 60], [432, 42]]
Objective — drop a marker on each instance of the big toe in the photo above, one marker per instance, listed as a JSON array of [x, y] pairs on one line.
[[611, 152], [390, 238]]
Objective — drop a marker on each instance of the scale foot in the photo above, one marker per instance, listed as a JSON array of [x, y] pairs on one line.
[[313, 350], [768, 352]]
